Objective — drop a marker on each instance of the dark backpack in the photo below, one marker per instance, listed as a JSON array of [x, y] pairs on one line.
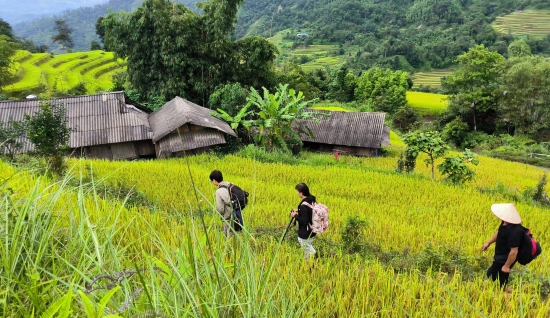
[[239, 197], [529, 249]]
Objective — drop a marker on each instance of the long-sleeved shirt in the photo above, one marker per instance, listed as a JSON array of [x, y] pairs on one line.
[[223, 200], [303, 217]]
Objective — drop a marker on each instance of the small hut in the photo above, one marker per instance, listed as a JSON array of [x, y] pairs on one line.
[[360, 134], [181, 125]]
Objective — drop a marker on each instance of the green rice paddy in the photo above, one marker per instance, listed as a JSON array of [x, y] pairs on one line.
[[36, 73], [427, 104]]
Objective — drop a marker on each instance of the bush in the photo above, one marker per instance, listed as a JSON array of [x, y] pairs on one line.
[[353, 235], [405, 119], [456, 168], [455, 132]]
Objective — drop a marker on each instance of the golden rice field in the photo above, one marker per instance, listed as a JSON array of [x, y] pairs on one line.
[[529, 22], [255, 277], [427, 104], [432, 78], [35, 73]]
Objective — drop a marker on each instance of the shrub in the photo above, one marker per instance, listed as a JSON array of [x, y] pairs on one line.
[[405, 119], [455, 132], [456, 168], [48, 131]]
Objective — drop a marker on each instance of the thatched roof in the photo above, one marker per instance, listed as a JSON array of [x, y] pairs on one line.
[[95, 119], [179, 112], [347, 129]]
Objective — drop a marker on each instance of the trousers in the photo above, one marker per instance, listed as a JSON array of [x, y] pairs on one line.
[[307, 247], [494, 272]]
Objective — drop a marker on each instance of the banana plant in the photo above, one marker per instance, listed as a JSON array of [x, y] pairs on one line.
[[276, 113]]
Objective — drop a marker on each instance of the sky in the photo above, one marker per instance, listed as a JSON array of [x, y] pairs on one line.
[[14, 11]]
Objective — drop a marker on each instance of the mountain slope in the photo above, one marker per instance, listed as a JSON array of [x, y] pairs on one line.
[[81, 21]]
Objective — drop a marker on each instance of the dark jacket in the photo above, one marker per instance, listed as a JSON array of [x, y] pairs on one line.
[[303, 218]]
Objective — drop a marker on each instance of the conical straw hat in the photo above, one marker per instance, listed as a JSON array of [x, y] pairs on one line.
[[507, 212]]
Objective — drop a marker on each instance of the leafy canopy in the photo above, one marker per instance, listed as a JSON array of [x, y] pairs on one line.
[[172, 50]]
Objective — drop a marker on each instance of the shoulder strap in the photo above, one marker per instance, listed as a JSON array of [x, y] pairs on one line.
[[307, 204]]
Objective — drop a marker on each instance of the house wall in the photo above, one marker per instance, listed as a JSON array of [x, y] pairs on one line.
[[193, 139], [118, 151], [344, 150]]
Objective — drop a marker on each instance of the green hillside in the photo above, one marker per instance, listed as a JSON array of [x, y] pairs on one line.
[[529, 22], [35, 73]]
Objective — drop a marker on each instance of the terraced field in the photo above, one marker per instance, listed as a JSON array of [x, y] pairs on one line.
[[529, 22], [432, 79], [427, 104], [37, 73], [318, 54]]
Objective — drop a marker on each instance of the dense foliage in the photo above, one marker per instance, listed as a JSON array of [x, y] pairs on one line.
[[173, 51], [398, 34]]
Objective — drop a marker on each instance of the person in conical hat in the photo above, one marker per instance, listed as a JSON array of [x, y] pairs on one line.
[[508, 239]]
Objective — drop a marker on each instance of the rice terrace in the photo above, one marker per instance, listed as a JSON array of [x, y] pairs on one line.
[[251, 158], [529, 22]]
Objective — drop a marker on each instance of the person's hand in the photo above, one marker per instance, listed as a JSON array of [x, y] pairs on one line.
[[505, 269], [293, 213], [485, 246]]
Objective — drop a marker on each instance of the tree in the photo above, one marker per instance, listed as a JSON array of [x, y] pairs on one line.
[[48, 131], [172, 50], [94, 45], [456, 168], [10, 137], [526, 99], [429, 143], [474, 86], [5, 29], [7, 51], [519, 48], [276, 113], [100, 29], [230, 98], [383, 89], [63, 35]]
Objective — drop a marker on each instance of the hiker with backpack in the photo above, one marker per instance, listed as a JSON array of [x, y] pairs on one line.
[[514, 243], [230, 201], [312, 219]]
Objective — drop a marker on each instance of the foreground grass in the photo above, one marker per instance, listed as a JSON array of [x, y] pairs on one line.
[[57, 236]]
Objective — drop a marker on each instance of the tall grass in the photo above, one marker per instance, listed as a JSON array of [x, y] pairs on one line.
[[66, 251]]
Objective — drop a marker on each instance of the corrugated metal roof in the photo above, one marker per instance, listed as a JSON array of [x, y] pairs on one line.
[[189, 140], [95, 119], [347, 129], [179, 112]]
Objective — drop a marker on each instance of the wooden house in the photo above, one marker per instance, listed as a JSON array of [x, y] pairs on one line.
[[110, 126], [103, 125], [360, 134], [181, 125]]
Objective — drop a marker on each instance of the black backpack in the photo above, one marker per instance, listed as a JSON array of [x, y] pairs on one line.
[[239, 197], [529, 249]]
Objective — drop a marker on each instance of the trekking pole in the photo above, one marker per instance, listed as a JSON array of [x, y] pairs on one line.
[[286, 231]]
